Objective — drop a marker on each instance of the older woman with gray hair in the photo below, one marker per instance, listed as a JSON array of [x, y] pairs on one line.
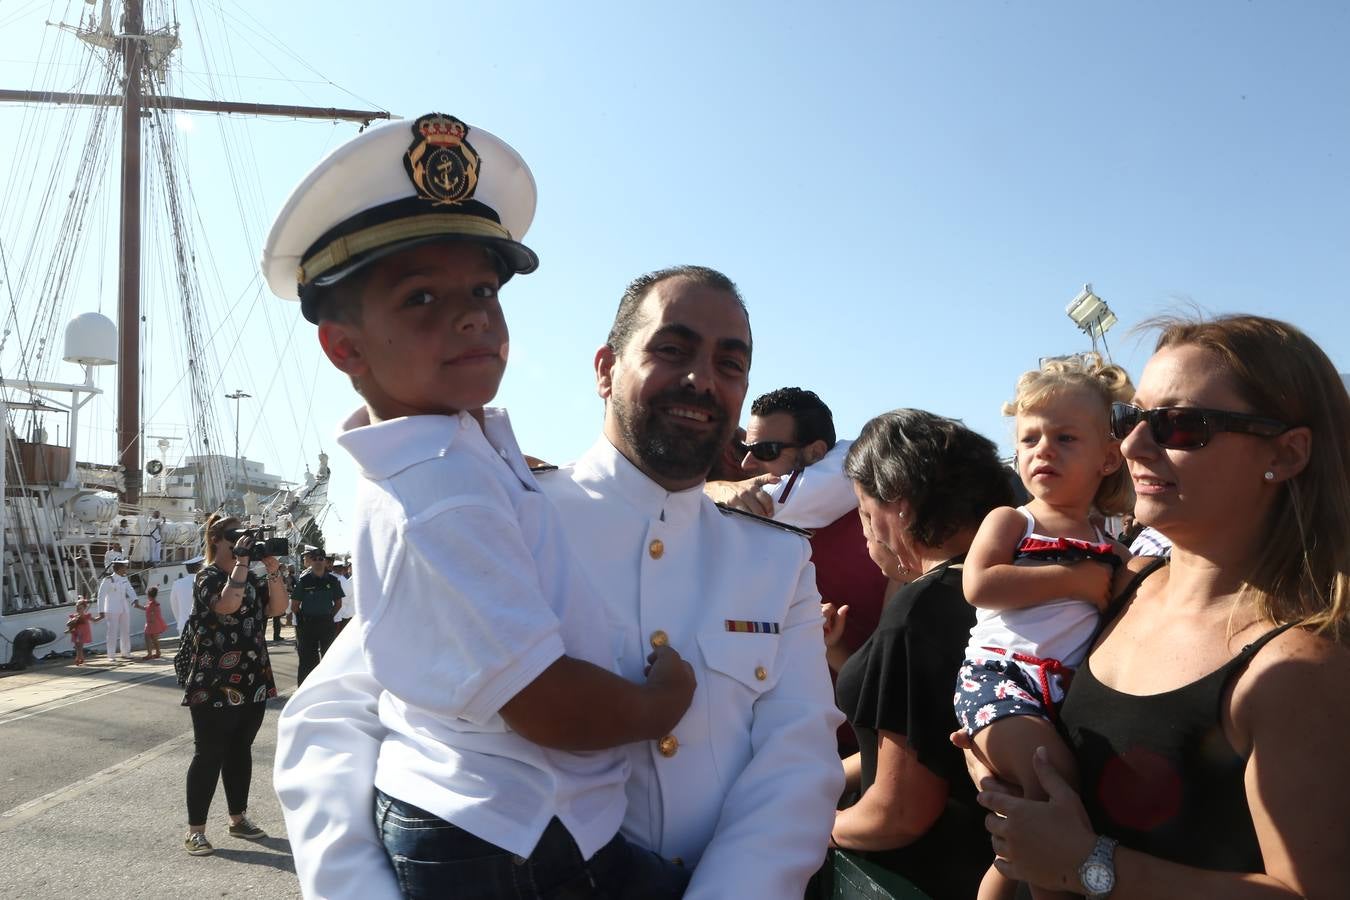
[[924, 484]]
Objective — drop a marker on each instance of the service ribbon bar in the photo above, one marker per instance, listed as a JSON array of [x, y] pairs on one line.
[[752, 627]]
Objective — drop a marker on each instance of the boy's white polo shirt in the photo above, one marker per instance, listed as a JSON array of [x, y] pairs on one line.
[[468, 591]]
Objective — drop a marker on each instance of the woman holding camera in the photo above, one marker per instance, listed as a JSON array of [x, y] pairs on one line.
[[230, 677]]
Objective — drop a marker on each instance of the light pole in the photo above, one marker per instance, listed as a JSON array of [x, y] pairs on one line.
[[238, 466]]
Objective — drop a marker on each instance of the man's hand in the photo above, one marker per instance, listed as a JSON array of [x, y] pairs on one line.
[[747, 496]]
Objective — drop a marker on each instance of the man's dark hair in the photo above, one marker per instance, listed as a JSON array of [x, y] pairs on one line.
[[626, 320], [951, 476], [812, 420]]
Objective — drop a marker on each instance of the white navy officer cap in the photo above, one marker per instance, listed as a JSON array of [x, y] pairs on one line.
[[394, 186]]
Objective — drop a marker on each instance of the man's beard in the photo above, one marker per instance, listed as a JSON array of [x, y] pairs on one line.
[[666, 449]]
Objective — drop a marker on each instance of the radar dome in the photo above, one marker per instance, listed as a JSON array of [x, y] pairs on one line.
[[91, 340]]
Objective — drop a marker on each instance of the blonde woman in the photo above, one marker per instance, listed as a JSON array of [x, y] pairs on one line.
[[1210, 720]]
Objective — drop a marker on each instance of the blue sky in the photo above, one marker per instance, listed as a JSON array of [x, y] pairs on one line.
[[908, 194]]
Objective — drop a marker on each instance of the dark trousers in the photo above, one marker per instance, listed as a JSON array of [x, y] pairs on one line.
[[223, 751], [433, 858], [313, 636], [276, 628]]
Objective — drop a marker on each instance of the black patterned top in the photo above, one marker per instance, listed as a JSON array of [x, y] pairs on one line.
[[232, 667]]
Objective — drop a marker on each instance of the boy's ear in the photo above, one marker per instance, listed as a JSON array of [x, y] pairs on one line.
[[341, 343], [604, 372]]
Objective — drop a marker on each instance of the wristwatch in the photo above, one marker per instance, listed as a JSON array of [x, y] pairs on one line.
[[1098, 871]]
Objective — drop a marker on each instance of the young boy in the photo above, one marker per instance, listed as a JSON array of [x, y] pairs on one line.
[[494, 657]]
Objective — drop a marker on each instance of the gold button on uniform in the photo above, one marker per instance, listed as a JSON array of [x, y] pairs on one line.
[[659, 639], [678, 860], [761, 673], [668, 745], [656, 549]]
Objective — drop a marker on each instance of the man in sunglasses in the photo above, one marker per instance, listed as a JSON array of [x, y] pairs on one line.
[[744, 787], [796, 463]]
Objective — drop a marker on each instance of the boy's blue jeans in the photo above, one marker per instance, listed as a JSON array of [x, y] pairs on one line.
[[434, 858]]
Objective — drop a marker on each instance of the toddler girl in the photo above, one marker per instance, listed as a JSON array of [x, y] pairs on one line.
[[79, 627], [1040, 573], [154, 623]]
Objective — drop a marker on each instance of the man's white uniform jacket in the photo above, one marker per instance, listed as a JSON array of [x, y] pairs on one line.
[[745, 786]]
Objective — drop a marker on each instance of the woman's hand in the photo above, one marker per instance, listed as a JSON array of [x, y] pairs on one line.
[[240, 548], [834, 622], [1040, 842]]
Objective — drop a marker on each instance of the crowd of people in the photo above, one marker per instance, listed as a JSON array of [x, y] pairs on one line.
[[627, 676]]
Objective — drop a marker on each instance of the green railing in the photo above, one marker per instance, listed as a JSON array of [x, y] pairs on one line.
[[846, 876]]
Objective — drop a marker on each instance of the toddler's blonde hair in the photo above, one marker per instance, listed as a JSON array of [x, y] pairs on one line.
[[1107, 382]]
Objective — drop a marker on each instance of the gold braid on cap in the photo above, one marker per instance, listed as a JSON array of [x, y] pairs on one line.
[[342, 249]]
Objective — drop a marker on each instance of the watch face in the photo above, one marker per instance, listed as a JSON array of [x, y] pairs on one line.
[[1098, 878]]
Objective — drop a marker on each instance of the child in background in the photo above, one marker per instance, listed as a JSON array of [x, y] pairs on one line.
[[1039, 574], [79, 625], [154, 623]]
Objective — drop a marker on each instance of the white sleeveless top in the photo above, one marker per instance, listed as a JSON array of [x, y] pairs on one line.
[[1059, 629]]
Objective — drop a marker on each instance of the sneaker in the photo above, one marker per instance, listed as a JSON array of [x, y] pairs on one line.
[[247, 830], [196, 844]]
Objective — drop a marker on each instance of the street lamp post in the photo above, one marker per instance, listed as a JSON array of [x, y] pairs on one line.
[[238, 466]]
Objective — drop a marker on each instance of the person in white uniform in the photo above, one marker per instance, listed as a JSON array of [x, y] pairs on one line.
[[156, 535], [503, 718], [744, 788], [347, 610], [115, 596], [180, 595]]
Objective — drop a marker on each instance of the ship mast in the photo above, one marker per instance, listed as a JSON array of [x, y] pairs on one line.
[[129, 266], [131, 44]]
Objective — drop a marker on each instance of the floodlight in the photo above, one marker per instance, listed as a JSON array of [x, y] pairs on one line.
[[1091, 314]]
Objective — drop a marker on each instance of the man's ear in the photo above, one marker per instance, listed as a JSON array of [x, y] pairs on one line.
[[342, 344], [604, 371], [814, 452]]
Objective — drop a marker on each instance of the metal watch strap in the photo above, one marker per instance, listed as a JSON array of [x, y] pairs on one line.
[[1098, 871]]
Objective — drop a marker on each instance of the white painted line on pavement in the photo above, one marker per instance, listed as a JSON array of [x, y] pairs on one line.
[[11, 818], [87, 695]]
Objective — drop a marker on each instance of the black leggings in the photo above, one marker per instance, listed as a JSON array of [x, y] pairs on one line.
[[223, 741]]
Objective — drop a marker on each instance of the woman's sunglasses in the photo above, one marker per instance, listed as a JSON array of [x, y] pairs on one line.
[[1187, 427], [764, 451]]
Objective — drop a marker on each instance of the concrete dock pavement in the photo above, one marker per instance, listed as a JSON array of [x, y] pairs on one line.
[[93, 761]]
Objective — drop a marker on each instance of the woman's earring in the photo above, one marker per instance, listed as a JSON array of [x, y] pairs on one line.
[[1270, 476]]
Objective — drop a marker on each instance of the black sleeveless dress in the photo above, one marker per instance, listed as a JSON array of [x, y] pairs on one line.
[[1157, 772]]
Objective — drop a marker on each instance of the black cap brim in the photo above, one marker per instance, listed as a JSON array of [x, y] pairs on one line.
[[514, 259]]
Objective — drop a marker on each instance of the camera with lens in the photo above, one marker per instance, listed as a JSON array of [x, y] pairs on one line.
[[262, 545]]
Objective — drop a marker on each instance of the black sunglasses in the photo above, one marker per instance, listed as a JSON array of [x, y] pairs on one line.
[[764, 451], [1188, 427]]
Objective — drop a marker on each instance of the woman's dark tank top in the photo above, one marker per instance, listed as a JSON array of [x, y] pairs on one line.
[[1158, 774]]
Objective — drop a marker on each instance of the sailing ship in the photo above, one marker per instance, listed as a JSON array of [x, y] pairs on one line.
[[64, 519]]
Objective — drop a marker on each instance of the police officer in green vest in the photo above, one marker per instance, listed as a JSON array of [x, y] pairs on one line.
[[315, 600]]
